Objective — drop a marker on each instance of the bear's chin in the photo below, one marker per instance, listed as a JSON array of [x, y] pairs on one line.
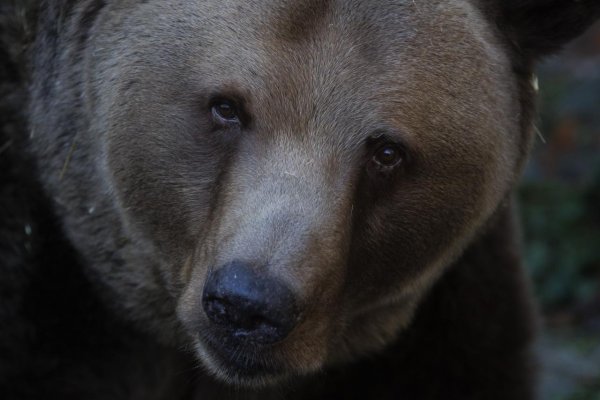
[[243, 366]]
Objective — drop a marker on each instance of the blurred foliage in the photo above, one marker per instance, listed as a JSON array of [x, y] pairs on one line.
[[560, 194], [562, 240], [560, 211], [591, 392]]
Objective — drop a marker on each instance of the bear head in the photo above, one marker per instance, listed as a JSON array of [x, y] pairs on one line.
[[276, 185]]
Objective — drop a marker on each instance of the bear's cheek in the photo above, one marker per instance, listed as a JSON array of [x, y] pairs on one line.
[[403, 241], [165, 173]]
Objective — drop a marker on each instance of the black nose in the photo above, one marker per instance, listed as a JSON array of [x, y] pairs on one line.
[[249, 305]]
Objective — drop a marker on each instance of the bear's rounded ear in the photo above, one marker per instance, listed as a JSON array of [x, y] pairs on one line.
[[540, 27]]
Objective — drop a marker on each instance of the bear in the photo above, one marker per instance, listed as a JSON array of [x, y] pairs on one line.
[[292, 199]]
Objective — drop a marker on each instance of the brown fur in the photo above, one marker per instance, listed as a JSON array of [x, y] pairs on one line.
[[301, 21], [408, 285]]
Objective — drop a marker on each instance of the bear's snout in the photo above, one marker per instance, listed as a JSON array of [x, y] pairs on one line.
[[249, 306]]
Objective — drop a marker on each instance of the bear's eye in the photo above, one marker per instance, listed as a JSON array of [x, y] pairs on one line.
[[388, 157], [225, 112]]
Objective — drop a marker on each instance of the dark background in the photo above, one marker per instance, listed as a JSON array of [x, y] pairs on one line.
[[560, 212]]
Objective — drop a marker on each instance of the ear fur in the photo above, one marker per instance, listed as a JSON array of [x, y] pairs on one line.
[[540, 27]]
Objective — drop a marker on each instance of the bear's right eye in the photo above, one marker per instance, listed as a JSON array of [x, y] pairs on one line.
[[386, 155], [225, 112]]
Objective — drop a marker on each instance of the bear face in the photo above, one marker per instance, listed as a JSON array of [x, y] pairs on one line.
[[276, 185]]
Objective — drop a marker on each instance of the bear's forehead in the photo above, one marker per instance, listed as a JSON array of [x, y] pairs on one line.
[[361, 56], [435, 69], [378, 28], [300, 37], [368, 22], [357, 45]]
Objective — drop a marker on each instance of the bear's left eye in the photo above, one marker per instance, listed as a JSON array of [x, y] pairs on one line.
[[225, 112], [388, 157]]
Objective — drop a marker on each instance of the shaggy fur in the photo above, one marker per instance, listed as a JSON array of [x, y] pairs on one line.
[[104, 251]]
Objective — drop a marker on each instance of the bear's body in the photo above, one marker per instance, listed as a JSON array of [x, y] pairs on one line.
[[147, 151]]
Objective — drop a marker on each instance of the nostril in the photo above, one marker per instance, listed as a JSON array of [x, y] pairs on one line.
[[249, 305], [217, 309], [258, 322]]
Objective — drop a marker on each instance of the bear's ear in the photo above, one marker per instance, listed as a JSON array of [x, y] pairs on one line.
[[541, 27]]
